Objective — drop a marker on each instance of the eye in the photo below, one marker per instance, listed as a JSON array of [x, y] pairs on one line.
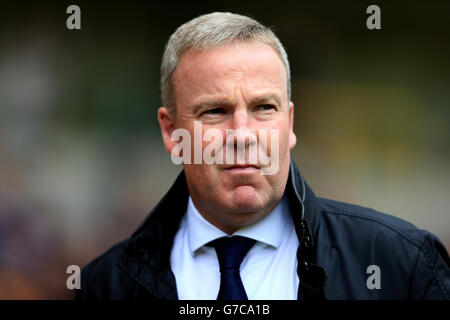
[[266, 107], [213, 111]]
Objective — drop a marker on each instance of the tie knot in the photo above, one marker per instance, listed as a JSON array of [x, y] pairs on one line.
[[231, 251]]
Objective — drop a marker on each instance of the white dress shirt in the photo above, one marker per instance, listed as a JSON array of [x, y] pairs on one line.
[[268, 271]]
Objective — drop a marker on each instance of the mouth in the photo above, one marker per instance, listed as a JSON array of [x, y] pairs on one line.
[[242, 168]]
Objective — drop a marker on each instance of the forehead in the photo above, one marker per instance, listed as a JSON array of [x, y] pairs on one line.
[[255, 66]]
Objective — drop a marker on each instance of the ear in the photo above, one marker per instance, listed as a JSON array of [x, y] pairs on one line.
[[167, 124], [292, 136]]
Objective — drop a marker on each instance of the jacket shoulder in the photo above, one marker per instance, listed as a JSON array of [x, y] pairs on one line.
[[99, 275], [413, 259], [373, 220]]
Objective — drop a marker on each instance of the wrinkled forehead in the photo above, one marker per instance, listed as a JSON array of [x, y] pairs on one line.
[[253, 65]]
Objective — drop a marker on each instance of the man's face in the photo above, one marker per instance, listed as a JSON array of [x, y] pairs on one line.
[[238, 86]]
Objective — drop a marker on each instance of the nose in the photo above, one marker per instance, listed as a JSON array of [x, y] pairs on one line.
[[240, 118], [241, 135]]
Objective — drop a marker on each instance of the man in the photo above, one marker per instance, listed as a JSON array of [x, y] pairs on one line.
[[233, 230]]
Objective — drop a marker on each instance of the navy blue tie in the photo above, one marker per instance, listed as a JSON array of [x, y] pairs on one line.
[[230, 253]]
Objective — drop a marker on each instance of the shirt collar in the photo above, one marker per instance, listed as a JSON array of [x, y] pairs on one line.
[[269, 230]]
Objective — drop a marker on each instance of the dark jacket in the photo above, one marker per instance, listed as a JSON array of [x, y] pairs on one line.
[[338, 243]]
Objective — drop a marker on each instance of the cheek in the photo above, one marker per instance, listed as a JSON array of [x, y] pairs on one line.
[[202, 172], [281, 143], [205, 178]]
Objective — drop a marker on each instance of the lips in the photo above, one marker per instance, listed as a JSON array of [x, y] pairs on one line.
[[242, 167]]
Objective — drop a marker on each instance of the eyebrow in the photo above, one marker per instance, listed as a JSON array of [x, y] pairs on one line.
[[265, 98]]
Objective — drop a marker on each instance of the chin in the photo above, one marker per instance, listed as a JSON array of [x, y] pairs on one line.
[[246, 199]]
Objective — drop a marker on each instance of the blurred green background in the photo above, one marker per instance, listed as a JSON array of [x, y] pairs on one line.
[[81, 158]]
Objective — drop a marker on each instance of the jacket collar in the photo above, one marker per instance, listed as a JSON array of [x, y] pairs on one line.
[[146, 258]]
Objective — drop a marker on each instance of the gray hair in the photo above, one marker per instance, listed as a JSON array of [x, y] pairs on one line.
[[209, 31]]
